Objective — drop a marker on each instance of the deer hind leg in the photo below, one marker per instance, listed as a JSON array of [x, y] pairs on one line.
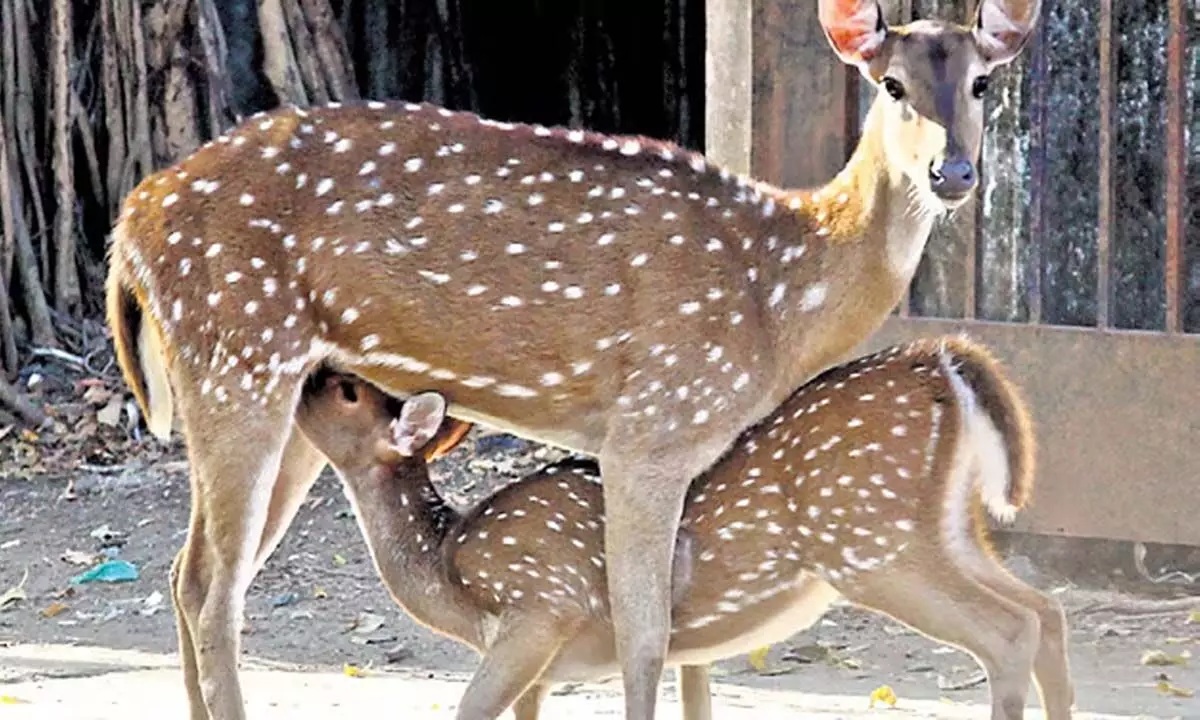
[[529, 705], [643, 501], [695, 693], [515, 661], [1051, 666], [937, 598], [235, 450], [187, 647]]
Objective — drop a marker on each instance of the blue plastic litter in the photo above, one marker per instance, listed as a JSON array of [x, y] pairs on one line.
[[110, 571]]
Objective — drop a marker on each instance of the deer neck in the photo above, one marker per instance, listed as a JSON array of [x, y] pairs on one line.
[[405, 521], [839, 257]]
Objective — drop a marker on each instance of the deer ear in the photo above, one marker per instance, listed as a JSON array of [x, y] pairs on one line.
[[1003, 28], [855, 29], [419, 421], [450, 434]]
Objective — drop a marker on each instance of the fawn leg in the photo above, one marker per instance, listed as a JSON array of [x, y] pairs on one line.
[[529, 705], [514, 662], [694, 692], [642, 506], [1051, 665], [934, 597], [235, 455]]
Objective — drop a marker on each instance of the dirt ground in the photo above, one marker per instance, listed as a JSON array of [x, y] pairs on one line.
[[318, 607]]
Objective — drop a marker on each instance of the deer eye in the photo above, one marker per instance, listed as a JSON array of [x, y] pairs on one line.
[[979, 86], [894, 88]]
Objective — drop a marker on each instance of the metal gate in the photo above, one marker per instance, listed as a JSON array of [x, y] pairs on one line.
[[1079, 264]]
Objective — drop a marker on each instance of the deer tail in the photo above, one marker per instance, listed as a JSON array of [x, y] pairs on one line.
[[140, 351], [998, 418]]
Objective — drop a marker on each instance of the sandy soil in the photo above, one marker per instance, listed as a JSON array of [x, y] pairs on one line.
[[318, 606]]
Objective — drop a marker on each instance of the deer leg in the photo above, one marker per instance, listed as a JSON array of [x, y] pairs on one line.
[[937, 599], [695, 693], [529, 705], [643, 502], [513, 664], [301, 465], [235, 454], [299, 468], [187, 648], [1051, 665]]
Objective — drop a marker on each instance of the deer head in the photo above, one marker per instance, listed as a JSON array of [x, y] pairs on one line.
[[933, 76], [357, 426]]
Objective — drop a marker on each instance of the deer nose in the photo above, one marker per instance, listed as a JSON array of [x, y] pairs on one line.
[[952, 178]]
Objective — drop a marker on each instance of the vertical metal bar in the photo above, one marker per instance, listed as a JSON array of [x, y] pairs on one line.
[[971, 266], [728, 69], [1037, 172], [1176, 165], [1104, 231], [905, 8], [971, 262]]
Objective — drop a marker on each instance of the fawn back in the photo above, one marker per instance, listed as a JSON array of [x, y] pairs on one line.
[[870, 481]]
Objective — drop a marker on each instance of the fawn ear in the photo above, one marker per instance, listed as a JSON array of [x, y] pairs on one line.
[[451, 433], [855, 29], [419, 421], [1003, 28]]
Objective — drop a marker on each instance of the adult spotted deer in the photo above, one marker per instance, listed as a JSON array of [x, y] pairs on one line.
[[870, 482], [618, 296]]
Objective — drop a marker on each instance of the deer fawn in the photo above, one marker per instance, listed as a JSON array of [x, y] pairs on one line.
[[870, 482], [618, 296]]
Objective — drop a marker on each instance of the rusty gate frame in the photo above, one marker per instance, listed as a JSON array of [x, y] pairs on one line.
[[1116, 410]]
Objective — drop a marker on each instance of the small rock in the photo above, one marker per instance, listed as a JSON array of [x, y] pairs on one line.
[[284, 599], [396, 654], [375, 638], [947, 685], [110, 414]]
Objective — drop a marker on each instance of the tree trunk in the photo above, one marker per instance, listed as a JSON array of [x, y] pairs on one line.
[[279, 62], [66, 278]]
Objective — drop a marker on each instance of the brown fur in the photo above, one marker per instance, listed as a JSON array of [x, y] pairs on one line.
[[305, 237], [533, 552]]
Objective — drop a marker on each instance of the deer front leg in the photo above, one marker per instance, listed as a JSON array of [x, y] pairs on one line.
[[299, 468], [235, 453], [643, 502], [695, 692], [523, 649]]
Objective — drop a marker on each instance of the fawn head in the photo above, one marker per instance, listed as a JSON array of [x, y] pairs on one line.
[[935, 75], [358, 427]]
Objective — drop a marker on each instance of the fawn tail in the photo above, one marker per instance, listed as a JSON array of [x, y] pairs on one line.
[[992, 409], [138, 344]]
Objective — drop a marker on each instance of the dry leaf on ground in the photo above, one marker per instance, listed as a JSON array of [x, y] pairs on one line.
[[15, 594], [1166, 688], [758, 658], [1158, 658], [883, 694]]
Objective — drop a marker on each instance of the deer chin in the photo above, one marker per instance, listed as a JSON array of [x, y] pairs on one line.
[[950, 203], [924, 203]]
